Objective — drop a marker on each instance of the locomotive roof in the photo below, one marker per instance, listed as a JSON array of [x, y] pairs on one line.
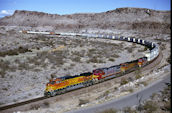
[[82, 74]]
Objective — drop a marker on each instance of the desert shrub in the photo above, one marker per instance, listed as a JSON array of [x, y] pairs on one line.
[[105, 93], [134, 44], [144, 83], [163, 46], [91, 52], [167, 106], [33, 60], [111, 59], [141, 50], [23, 65], [130, 79], [76, 59], [42, 55], [129, 49], [153, 95], [81, 102], [78, 53], [145, 48], [138, 76], [53, 75], [169, 59], [95, 60], [36, 70], [131, 90], [150, 106], [15, 51], [8, 52], [56, 59], [115, 88], [129, 110], [2, 73], [6, 89], [115, 56], [138, 73], [15, 100], [23, 50], [13, 68], [109, 111], [72, 64], [35, 107], [46, 104], [29, 94], [4, 66], [124, 81]]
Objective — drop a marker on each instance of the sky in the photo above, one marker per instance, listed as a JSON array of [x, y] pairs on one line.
[[7, 7]]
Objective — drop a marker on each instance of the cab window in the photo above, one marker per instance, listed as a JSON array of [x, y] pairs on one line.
[[52, 82], [57, 82]]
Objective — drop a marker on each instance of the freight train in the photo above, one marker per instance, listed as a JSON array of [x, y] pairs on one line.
[[67, 83], [63, 84]]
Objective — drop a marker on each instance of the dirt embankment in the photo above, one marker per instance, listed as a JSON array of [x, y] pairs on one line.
[[140, 19]]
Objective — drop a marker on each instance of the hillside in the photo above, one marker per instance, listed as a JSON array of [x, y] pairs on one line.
[[139, 19]]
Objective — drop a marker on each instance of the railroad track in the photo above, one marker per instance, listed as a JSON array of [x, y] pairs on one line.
[[41, 101]]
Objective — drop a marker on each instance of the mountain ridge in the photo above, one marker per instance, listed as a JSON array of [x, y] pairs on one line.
[[120, 18]]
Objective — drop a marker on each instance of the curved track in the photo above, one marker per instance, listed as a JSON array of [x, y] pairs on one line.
[[154, 57]]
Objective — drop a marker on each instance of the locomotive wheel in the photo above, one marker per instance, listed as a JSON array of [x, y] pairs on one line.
[[63, 91], [48, 94], [102, 80], [85, 84], [90, 84], [52, 93], [95, 80]]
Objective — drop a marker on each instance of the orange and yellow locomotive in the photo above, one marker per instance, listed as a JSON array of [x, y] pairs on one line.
[[67, 83]]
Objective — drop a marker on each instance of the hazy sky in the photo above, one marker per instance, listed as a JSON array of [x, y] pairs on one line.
[[7, 7]]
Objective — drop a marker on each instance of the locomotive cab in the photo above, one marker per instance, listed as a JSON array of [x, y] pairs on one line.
[[124, 67], [51, 86], [142, 61]]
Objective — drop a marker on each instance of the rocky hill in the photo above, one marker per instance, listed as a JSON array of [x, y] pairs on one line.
[[140, 19]]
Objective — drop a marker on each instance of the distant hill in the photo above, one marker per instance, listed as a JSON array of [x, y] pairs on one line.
[[141, 19]]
